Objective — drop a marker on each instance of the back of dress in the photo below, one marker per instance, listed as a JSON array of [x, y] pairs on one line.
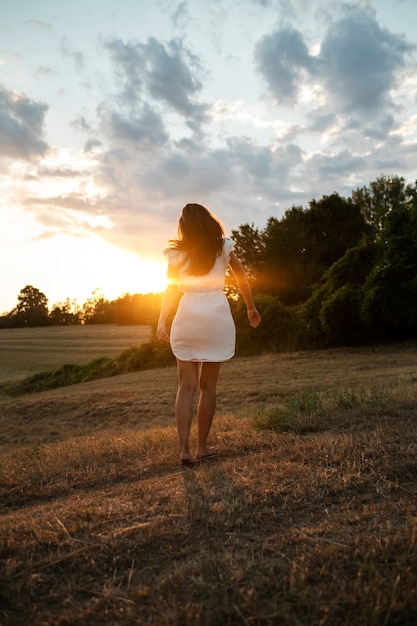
[[203, 328]]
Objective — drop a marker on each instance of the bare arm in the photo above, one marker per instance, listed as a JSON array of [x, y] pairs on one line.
[[244, 287], [169, 298]]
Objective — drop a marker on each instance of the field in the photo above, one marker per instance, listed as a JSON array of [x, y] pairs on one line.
[[26, 351], [307, 516]]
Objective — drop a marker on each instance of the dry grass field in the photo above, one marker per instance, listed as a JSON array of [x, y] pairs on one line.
[[307, 516]]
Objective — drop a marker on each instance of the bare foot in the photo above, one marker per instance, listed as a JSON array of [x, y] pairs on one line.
[[206, 453], [187, 459]]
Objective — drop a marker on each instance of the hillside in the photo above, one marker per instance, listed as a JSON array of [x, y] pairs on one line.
[[306, 516]]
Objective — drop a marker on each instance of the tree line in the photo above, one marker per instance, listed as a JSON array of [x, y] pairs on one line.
[[32, 310], [341, 271]]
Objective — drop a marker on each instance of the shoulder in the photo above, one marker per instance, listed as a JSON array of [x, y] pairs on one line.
[[228, 246], [173, 256]]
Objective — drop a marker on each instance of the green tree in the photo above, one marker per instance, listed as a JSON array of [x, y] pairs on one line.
[[333, 313], [292, 253], [249, 247], [284, 272], [376, 202], [333, 224], [389, 310], [370, 293]]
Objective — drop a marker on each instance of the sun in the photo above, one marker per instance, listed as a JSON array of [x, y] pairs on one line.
[[132, 274], [74, 267], [117, 271]]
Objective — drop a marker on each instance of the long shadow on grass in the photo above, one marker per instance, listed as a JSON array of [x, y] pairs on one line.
[[38, 488], [221, 532]]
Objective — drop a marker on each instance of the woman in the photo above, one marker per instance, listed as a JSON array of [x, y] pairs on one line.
[[203, 331]]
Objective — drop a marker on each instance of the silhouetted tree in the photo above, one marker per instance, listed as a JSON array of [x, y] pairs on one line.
[[65, 313], [96, 310], [31, 309]]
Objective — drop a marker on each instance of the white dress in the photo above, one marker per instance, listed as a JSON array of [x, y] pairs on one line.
[[203, 328]]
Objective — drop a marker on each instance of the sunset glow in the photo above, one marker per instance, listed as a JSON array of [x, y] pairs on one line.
[[95, 265]]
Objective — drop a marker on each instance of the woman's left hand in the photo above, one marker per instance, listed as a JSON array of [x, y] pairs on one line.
[[161, 333]]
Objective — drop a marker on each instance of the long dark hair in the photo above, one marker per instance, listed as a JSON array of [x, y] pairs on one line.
[[200, 236]]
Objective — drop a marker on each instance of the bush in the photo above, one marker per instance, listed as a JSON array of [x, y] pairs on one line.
[[68, 374], [279, 330], [146, 356], [340, 316]]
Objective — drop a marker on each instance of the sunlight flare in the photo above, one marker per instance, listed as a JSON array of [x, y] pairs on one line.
[[112, 270]]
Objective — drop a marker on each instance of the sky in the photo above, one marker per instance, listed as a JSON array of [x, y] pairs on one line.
[[114, 115]]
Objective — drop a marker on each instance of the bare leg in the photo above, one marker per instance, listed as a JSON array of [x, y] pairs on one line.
[[206, 405], [187, 385]]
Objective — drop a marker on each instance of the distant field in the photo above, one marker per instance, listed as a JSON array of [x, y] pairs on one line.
[[26, 351]]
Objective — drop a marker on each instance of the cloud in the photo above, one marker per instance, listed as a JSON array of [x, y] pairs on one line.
[[145, 130], [38, 24], [264, 165], [154, 141], [357, 66], [150, 173], [180, 15], [333, 167], [60, 172], [361, 62], [156, 87], [68, 50], [171, 76], [167, 74], [193, 172], [73, 202], [283, 59], [21, 125], [45, 71], [127, 63]]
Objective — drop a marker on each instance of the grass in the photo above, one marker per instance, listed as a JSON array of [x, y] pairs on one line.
[[311, 411], [28, 351], [306, 517]]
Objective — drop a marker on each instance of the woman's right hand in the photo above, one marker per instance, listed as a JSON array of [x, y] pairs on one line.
[[254, 317]]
